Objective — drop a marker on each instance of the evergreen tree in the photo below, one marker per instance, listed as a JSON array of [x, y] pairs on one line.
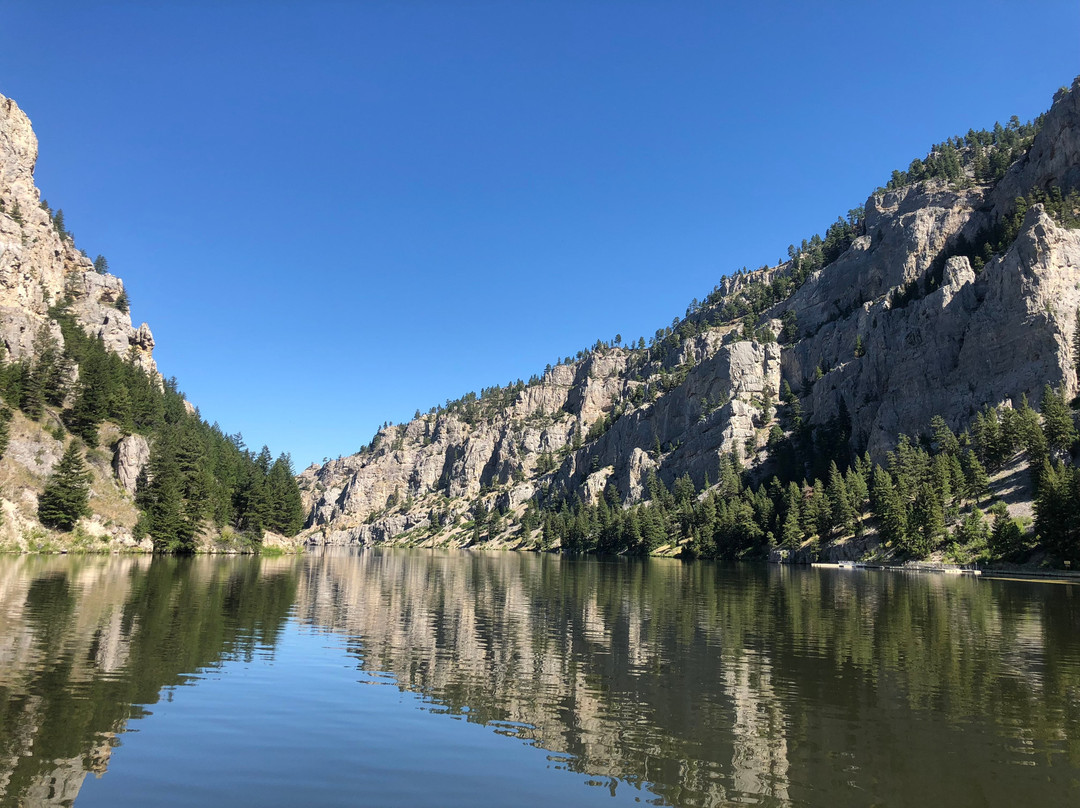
[[5, 429], [42, 377], [101, 265], [890, 507], [1076, 344], [159, 494], [841, 509], [1006, 539], [973, 530], [66, 496], [976, 480], [1058, 426], [1057, 509], [944, 439], [927, 527], [286, 509], [791, 533]]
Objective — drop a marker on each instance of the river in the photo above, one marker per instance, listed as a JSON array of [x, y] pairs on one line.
[[448, 678]]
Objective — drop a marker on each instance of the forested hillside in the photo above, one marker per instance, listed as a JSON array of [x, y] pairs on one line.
[[902, 386], [97, 450]]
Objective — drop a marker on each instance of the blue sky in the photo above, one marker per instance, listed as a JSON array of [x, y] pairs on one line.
[[332, 213]]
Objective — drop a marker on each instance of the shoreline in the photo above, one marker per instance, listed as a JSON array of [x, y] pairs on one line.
[[1019, 573]]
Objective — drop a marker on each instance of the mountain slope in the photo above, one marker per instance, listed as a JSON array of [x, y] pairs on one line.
[[75, 372], [913, 308]]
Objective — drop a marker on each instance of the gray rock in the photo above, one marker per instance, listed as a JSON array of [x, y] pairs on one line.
[[38, 267], [131, 456], [974, 340]]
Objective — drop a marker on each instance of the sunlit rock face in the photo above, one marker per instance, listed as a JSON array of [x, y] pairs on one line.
[[39, 267], [964, 341]]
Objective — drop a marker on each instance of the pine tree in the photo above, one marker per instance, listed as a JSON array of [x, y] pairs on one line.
[[842, 512], [1057, 509], [160, 497], [1076, 344], [976, 480], [286, 509], [944, 439], [40, 377], [927, 523], [253, 501], [791, 533], [822, 510], [101, 265], [67, 491], [889, 506], [973, 530], [1006, 539], [5, 429], [1058, 426]]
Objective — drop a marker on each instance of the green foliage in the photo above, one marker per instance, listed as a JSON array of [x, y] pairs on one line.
[[122, 303], [545, 462], [101, 265], [985, 154], [1076, 343], [66, 496], [1058, 425], [926, 498], [598, 428], [860, 347], [197, 478], [5, 429], [1057, 509], [998, 237], [1006, 540], [58, 224]]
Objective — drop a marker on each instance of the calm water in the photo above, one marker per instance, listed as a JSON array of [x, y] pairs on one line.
[[464, 679]]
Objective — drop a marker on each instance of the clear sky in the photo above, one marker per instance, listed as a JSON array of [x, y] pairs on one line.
[[334, 213]]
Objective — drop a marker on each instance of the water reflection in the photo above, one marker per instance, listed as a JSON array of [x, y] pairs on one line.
[[704, 684], [87, 643]]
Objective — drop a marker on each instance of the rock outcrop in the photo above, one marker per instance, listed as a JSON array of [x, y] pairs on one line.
[[132, 455], [39, 266], [899, 328]]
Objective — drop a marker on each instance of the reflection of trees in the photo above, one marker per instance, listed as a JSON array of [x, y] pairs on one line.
[[706, 683], [711, 682], [88, 639]]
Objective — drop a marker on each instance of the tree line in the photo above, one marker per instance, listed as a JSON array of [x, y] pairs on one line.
[[931, 494], [198, 477]]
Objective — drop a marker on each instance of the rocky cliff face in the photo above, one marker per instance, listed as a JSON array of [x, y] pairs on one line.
[[39, 267], [934, 337]]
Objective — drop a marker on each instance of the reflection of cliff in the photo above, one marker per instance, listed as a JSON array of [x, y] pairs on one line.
[[714, 684], [86, 640], [706, 684], [604, 662]]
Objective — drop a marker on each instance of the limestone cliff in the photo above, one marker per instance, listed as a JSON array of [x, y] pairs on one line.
[[39, 267], [898, 328]]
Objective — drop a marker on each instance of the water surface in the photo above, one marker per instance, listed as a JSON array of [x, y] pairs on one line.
[[461, 679]]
